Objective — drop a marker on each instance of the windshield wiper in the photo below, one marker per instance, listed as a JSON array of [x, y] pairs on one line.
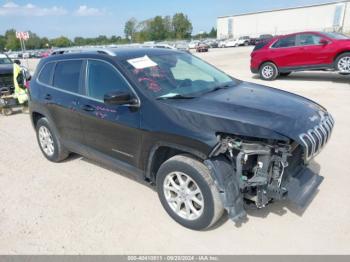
[[176, 96], [224, 86]]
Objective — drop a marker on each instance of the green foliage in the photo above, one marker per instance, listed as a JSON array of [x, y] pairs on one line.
[[130, 28], [159, 28], [61, 41], [12, 43], [213, 33], [182, 26], [2, 42]]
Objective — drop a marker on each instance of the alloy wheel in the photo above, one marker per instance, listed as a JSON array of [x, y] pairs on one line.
[[344, 64], [267, 71], [46, 141], [183, 195]]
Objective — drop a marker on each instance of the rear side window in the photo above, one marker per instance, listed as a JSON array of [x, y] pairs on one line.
[[46, 73], [67, 75], [103, 78], [260, 45], [285, 42]]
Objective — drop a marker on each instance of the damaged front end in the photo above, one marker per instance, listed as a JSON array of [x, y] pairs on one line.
[[258, 172]]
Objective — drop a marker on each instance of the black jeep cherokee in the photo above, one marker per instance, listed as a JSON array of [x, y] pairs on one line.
[[206, 141]]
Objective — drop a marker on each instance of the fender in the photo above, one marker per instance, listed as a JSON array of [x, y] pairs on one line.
[[185, 149], [34, 108]]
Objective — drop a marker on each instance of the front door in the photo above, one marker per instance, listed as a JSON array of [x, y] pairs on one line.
[[109, 129], [311, 51]]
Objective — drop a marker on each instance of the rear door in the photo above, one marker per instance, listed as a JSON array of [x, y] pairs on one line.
[[109, 129], [61, 95], [284, 52]]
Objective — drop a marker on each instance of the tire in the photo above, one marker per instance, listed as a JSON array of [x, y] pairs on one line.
[[285, 74], [342, 63], [268, 71], [208, 207], [49, 143], [7, 111]]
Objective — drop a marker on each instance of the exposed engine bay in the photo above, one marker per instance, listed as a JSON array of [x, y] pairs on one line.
[[262, 172]]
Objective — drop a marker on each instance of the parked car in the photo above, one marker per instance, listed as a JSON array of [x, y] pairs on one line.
[[221, 43], [193, 44], [206, 141], [301, 52], [231, 43], [265, 37], [183, 46], [202, 47], [243, 41]]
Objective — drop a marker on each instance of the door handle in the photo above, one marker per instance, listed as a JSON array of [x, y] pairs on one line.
[[88, 108], [48, 97]]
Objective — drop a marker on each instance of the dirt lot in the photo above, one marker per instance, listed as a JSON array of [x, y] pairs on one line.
[[78, 207]]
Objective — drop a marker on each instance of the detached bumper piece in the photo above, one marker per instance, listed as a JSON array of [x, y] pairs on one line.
[[302, 187]]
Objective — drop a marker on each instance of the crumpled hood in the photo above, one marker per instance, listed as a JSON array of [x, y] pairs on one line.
[[252, 110], [6, 69]]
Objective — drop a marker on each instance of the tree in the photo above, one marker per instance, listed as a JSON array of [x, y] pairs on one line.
[[130, 28], [12, 43], [2, 42], [213, 33], [34, 41], [61, 41], [157, 29], [182, 26]]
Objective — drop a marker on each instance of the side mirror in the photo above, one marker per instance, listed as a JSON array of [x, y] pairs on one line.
[[120, 98], [324, 41], [16, 61]]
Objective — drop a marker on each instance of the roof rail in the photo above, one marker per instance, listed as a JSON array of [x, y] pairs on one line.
[[101, 50]]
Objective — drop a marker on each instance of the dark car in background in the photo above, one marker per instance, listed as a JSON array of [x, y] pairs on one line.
[[301, 52], [206, 141], [202, 47], [260, 39]]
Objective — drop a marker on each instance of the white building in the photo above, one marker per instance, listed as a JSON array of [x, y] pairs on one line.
[[334, 16]]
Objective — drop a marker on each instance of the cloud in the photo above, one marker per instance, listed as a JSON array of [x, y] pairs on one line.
[[84, 10], [13, 9]]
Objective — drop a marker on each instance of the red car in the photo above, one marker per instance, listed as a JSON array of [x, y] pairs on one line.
[[301, 52]]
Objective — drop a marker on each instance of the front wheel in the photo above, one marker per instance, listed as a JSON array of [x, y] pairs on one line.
[[188, 193], [268, 71], [343, 63]]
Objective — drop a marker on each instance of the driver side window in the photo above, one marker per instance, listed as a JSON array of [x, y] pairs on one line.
[[102, 79]]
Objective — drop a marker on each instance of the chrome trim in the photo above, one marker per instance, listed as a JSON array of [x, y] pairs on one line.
[[122, 153], [316, 138], [63, 51]]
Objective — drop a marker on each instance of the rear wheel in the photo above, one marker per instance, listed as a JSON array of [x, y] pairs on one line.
[[343, 63], [188, 193], [49, 143], [268, 71]]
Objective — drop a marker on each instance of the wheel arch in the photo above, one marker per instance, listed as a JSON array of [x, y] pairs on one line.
[[340, 53], [268, 61], [162, 151]]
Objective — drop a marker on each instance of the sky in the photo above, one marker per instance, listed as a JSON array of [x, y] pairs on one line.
[[90, 18]]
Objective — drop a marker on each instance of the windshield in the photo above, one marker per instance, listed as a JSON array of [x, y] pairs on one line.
[[336, 36], [5, 60], [176, 75]]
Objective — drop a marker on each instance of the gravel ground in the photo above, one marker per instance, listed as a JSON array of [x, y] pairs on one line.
[[79, 207]]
